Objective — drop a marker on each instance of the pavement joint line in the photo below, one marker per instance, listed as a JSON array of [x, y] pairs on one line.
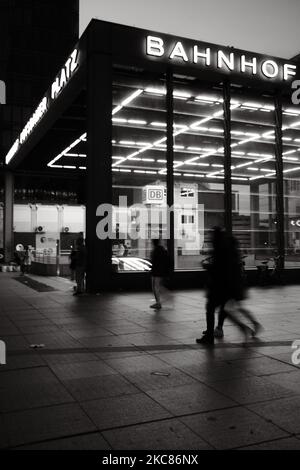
[[267, 441], [125, 426], [139, 348], [19, 446], [269, 420]]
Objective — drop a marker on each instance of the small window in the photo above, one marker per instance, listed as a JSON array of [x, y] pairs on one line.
[[187, 192]]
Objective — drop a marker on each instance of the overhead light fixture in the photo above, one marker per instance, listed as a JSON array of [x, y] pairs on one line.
[[127, 100]]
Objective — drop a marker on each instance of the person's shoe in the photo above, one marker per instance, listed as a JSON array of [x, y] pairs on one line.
[[206, 339], [218, 333], [257, 329], [157, 306], [247, 331]]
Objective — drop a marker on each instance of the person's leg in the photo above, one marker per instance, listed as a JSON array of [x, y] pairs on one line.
[[78, 278], [222, 316], [157, 287], [210, 316], [208, 335], [155, 290], [82, 280], [249, 316], [234, 319], [153, 287]]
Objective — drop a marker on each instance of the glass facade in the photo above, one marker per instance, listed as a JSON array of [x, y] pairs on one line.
[[179, 138], [142, 161]]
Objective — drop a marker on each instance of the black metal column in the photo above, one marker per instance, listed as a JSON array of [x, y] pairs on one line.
[[99, 173], [170, 163], [279, 180], [8, 215], [227, 157]]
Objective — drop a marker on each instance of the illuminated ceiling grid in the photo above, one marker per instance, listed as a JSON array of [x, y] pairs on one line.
[[197, 118]]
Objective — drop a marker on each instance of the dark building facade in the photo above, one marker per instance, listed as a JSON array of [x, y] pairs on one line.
[[149, 122], [35, 36]]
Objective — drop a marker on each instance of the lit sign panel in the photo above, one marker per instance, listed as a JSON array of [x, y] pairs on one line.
[[59, 83], [65, 74], [217, 59], [153, 194]]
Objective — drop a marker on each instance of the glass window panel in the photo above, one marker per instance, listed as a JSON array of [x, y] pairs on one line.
[[198, 170], [139, 169], [253, 176], [291, 182]]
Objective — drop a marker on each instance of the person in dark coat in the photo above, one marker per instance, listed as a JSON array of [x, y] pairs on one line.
[[237, 292], [217, 286], [226, 283], [159, 271], [80, 260]]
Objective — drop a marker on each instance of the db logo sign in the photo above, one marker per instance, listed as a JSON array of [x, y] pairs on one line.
[[155, 194], [296, 353]]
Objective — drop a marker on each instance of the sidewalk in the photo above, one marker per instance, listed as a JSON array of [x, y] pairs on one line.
[[114, 374]]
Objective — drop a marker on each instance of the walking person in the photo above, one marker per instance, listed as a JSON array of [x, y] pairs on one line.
[[227, 289], [159, 271], [80, 266], [26, 260], [237, 293], [72, 263], [217, 287]]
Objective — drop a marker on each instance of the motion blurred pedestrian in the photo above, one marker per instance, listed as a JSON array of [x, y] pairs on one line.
[[159, 271], [80, 260]]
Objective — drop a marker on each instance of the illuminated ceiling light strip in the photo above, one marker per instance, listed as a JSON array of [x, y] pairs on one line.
[[291, 169], [127, 101], [294, 124], [119, 120], [156, 91], [239, 178], [292, 111], [127, 142], [251, 105], [212, 99], [83, 155], [293, 159], [137, 121], [181, 94], [67, 149], [158, 124]]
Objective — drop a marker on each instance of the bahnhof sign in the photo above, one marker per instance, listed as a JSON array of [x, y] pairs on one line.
[[168, 121]]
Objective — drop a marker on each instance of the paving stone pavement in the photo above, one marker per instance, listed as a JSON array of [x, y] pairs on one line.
[[114, 374]]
